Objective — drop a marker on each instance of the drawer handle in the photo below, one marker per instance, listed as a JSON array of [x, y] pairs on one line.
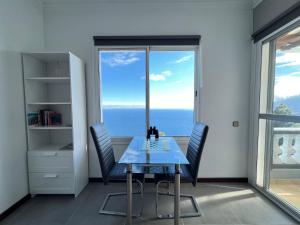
[[50, 176], [50, 154]]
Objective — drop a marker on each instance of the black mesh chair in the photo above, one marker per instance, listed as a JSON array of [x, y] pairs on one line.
[[189, 173], [112, 171]]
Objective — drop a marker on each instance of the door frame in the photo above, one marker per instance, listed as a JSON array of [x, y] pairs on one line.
[[255, 117]]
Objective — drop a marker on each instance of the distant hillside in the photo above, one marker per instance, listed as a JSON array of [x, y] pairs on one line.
[[293, 103]]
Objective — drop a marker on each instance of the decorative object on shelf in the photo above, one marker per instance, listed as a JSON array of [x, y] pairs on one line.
[[67, 147], [44, 117], [49, 118], [33, 118]]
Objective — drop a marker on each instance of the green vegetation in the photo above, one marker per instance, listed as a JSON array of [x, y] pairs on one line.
[[283, 109]]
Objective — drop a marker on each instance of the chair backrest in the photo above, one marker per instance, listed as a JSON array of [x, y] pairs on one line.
[[104, 149], [195, 149]]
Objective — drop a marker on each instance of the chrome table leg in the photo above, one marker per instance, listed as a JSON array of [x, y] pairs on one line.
[[177, 195], [129, 195], [197, 212]]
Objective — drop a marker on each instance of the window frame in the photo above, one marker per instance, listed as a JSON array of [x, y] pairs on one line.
[[268, 116], [197, 79]]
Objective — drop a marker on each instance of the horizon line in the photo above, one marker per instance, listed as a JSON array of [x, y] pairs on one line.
[[142, 107]]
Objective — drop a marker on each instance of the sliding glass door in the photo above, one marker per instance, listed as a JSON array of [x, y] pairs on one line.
[[278, 158]]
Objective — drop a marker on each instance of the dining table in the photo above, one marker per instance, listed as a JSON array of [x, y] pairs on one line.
[[161, 152]]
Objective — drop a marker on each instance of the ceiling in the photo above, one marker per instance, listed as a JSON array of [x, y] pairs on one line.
[[289, 41], [256, 3]]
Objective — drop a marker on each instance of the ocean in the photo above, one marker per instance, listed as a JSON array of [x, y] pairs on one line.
[[132, 122]]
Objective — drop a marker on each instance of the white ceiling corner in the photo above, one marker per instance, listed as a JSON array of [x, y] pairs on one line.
[[256, 3], [252, 2]]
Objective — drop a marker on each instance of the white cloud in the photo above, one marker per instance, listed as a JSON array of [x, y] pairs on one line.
[[173, 99], [121, 59], [287, 86], [157, 77], [160, 76], [184, 59], [123, 104], [294, 73], [289, 58], [167, 73]]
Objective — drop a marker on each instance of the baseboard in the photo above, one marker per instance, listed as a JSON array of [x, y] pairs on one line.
[[95, 179], [209, 179], [224, 179], [14, 207]]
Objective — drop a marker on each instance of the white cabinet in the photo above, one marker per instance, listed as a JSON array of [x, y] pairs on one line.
[[51, 183], [50, 161], [57, 152]]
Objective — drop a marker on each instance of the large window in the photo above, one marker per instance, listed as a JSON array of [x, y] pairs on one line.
[[172, 91], [278, 162], [286, 85], [123, 95], [147, 87]]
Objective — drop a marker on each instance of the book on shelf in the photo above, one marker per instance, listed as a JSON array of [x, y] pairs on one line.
[[44, 117], [67, 147], [33, 118]]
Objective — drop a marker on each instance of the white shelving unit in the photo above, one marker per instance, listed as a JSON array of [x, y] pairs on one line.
[[49, 127], [49, 103], [57, 155], [49, 79]]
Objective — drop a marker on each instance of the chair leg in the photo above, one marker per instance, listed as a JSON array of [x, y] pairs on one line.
[[108, 212], [197, 212], [116, 213], [142, 196]]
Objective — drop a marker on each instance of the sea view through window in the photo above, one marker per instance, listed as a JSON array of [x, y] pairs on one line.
[[123, 91]]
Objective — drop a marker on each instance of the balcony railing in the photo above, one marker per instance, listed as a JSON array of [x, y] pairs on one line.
[[286, 147]]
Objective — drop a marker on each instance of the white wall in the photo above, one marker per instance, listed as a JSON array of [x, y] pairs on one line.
[[269, 10], [21, 29], [225, 27]]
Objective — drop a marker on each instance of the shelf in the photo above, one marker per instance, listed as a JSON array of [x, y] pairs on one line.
[[49, 127], [49, 79], [49, 103], [52, 147]]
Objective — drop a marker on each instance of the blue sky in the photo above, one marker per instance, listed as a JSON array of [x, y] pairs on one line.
[[287, 67], [287, 73], [171, 78]]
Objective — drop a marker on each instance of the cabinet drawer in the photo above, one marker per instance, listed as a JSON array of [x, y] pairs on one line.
[[50, 161], [51, 183]]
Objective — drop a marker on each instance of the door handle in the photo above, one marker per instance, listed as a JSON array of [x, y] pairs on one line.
[[50, 154], [50, 176]]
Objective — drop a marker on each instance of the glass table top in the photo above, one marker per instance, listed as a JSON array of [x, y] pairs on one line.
[[164, 151]]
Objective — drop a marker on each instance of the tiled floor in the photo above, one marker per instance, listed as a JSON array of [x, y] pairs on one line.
[[287, 189], [221, 203]]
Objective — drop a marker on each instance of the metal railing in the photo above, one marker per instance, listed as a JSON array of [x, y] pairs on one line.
[[286, 147]]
